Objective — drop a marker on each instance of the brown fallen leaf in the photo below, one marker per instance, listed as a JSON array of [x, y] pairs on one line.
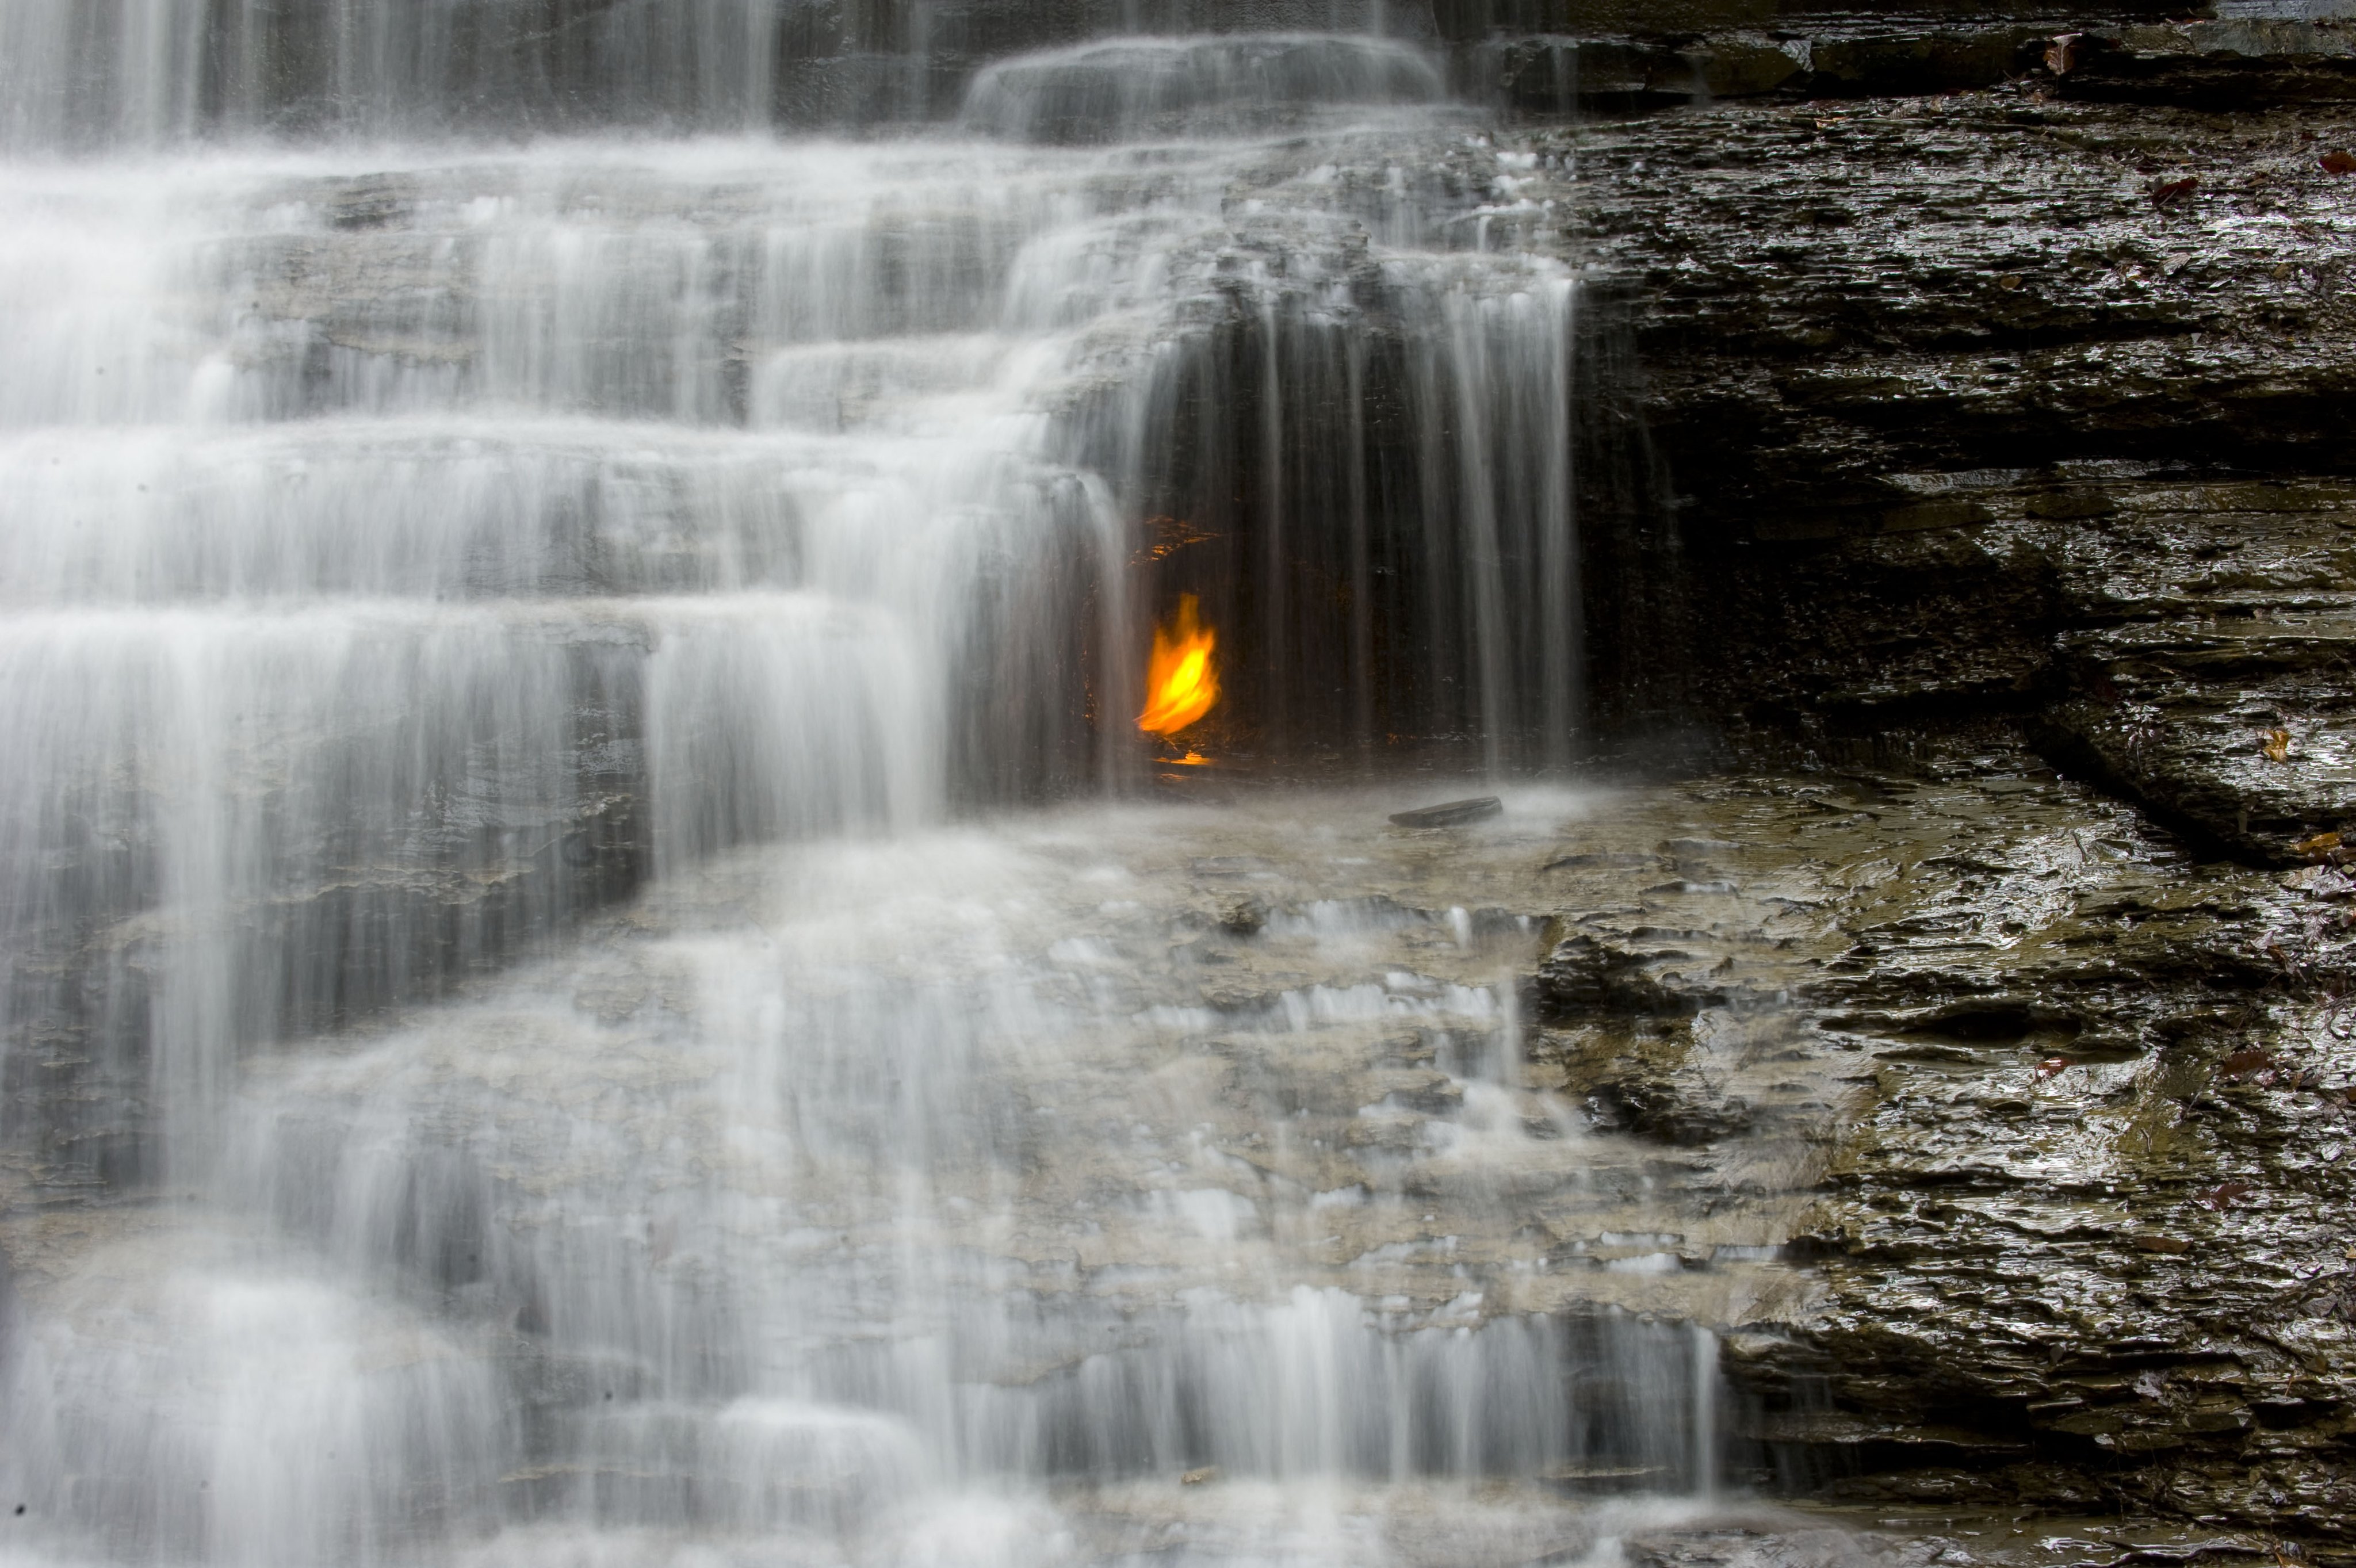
[[2061, 53], [2172, 1245], [2338, 162], [2009, 280], [2173, 190], [2241, 1064], [2316, 847], [2276, 745], [2050, 1066], [2223, 1194]]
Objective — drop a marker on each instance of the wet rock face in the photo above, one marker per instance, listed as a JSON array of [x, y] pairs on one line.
[[2013, 404], [392, 923], [2076, 1108], [2000, 418]]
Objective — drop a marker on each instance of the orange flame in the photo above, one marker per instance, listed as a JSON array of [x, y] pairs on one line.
[[1182, 682]]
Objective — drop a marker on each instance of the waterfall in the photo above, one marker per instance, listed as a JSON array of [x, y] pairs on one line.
[[578, 926], [138, 70]]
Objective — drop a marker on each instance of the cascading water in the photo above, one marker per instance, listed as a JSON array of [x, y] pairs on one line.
[[510, 1052]]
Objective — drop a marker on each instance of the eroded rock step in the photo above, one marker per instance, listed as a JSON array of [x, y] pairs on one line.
[[1114, 1116], [737, 66], [2080, 1239], [1552, 58]]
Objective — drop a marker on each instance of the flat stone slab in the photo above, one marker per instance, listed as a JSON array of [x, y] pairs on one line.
[[1449, 814]]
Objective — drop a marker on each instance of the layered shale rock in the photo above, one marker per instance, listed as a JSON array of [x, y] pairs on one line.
[[2075, 1101], [2001, 418], [2007, 403]]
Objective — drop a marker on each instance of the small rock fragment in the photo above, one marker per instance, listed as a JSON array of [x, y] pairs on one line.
[[1617, 861], [1688, 849], [1222, 865], [1450, 813], [2225, 1194]]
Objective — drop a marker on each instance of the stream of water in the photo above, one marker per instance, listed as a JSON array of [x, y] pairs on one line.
[[594, 973]]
